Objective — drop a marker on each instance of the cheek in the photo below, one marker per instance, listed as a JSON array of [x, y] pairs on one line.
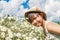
[[34, 22], [40, 19], [37, 24]]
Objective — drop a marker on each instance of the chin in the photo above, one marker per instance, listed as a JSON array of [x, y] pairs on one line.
[[38, 25]]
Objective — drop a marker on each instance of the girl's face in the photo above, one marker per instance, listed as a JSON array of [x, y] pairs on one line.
[[36, 19]]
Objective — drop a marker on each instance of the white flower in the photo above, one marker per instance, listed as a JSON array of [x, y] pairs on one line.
[[30, 34], [18, 35], [2, 28], [24, 35], [8, 38], [25, 24], [12, 27], [34, 39], [2, 20], [28, 38], [28, 31], [10, 18], [32, 27], [18, 39], [2, 35], [38, 29], [10, 33], [16, 27]]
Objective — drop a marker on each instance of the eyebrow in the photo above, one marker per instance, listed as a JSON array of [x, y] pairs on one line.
[[32, 14]]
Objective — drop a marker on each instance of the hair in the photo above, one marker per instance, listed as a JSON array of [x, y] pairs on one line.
[[42, 14]]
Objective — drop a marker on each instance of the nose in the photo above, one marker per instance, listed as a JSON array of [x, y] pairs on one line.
[[36, 22]]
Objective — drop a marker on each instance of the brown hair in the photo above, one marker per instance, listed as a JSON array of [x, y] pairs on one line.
[[43, 15]]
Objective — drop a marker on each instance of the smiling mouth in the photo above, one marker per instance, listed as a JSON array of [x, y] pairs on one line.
[[38, 24]]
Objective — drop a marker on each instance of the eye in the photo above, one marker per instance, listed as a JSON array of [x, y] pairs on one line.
[[34, 18]]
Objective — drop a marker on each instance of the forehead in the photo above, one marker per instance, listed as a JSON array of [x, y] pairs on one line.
[[33, 15]]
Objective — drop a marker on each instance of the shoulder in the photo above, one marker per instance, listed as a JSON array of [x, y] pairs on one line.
[[52, 24]]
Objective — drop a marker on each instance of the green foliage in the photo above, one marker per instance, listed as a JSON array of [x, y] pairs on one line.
[[58, 23]]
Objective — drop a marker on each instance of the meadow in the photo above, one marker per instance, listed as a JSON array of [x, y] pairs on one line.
[[14, 28]]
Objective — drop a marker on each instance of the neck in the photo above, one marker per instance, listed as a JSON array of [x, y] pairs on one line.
[[43, 24]]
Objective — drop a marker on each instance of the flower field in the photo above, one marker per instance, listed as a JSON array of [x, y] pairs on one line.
[[13, 28]]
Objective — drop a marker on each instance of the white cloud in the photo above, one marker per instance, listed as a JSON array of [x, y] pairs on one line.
[[10, 7], [52, 9], [39, 3], [58, 13], [2, 7], [34, 3], [21, 12]]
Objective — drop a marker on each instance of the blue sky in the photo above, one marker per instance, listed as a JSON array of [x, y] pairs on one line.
[[18, 7], [25, 4], [6, 0]]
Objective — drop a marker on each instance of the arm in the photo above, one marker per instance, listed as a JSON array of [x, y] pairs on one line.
[[53, 28]]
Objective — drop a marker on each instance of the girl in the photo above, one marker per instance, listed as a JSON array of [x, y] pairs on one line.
[[38, 18]]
